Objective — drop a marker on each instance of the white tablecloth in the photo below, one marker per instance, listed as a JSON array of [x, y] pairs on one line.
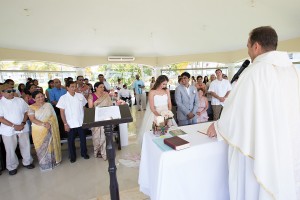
[[199, 172]]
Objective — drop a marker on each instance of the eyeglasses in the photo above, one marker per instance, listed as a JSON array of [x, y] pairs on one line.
[[9, 91], [80, 79]]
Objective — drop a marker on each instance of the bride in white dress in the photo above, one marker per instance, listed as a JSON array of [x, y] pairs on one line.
[[158, 100]]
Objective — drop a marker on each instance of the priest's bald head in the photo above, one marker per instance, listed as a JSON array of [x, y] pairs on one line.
[[261, 40]]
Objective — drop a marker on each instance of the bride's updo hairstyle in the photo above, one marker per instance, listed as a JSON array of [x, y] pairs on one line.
[[159, 80]]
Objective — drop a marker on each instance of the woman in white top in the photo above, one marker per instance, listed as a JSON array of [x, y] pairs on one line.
[[159, 100]]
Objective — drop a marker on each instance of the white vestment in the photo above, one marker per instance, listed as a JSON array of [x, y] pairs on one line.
[[261, 121]]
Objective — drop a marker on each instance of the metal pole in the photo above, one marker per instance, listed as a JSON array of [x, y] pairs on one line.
[[112, 169]]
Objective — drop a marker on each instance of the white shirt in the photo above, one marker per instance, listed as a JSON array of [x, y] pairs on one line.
[[73, 106], [124, 93], [13, 110], [107, 85], [187, 90], [220, 88]]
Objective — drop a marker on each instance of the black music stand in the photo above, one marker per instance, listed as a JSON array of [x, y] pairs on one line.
[[89, 121]]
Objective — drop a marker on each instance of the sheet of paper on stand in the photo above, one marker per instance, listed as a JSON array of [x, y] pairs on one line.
[[106, 113]]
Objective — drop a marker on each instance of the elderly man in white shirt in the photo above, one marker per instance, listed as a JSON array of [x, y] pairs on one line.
[[14, 129], [71, 109]]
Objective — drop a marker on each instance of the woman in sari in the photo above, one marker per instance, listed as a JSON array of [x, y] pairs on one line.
[[99, 99], [45, 132]]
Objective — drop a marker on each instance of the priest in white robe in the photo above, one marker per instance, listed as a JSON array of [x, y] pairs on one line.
[[261, 123]]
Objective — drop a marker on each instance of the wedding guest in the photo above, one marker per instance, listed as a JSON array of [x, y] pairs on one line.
[[50, 86], [209, 97], [27, 94], [203, 106], [36, 83], [45, 132], [21, 89], [205, 80], [56, 92], [82, 88], [119, 85], [103, 80], [11, 83], [193, 80], [219, 90], [139, 93], [14, 130], [125, 95], [152, 82], [200, 85], [71, 107], [99, 98], [86, 82]]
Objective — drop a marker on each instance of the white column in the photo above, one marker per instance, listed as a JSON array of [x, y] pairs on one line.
[[231, 71]]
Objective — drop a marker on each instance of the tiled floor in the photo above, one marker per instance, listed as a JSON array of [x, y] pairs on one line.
[[82, 180]]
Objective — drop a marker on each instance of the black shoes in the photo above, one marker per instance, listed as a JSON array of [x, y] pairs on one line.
[[31, 166], [13, 172], [73, 160]]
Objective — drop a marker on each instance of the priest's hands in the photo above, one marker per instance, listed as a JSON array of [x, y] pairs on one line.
[[211, 131]]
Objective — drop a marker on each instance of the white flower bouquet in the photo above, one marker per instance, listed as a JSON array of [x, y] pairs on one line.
[[160, 125]]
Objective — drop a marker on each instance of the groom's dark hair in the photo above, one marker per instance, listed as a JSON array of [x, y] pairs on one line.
[[186, 74]]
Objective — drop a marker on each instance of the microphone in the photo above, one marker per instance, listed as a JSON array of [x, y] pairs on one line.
[[237, 75]]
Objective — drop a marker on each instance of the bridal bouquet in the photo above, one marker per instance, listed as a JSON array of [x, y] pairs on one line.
[[160, 125], [167, 114]]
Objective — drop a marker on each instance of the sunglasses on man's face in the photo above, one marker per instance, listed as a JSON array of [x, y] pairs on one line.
[[9, 91]]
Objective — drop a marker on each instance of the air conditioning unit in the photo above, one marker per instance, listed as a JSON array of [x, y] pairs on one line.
[[121, 58]]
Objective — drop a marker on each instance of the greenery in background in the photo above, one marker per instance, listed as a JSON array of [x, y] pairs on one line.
[[19, 71], [34, 66], [112, 72]]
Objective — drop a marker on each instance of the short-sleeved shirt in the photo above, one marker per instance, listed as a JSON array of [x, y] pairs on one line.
[[13, 110], [220, 88], [136, 87], [124, 93], [56, 93], [73, 106]]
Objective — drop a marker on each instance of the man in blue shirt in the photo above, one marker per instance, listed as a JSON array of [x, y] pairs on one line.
[[139, 93], [55, 94]]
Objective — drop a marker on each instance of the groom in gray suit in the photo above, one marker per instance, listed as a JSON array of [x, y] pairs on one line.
[[187, 101]]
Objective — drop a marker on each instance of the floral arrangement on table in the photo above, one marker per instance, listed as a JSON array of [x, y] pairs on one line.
[[161, 123], [120, 102]]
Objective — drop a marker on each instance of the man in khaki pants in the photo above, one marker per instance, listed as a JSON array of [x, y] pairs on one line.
[[13, 128]]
